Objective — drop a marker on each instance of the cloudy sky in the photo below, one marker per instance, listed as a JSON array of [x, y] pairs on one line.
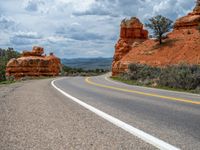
[[76, 28]]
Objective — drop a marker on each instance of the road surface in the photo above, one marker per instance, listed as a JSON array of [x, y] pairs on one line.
[[35, 115]]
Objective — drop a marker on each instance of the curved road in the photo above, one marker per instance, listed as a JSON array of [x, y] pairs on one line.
[[36, 115], [173, 117]]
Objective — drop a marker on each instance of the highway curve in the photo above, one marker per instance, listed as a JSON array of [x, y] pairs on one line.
[[44, 114], [173, 117]]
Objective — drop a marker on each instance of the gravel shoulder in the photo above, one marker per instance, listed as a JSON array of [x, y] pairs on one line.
[[33, 115]]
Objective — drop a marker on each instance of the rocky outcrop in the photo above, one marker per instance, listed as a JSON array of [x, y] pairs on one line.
[[192, 20], [131, 34], [180, 46], [33, 63]]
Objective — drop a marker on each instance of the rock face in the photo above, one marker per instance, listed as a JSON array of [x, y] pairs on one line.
[[33, 63], [131, 34], [180, 46], [192, 20]]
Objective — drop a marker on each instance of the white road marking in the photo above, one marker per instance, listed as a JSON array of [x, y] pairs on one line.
[[132, 130]]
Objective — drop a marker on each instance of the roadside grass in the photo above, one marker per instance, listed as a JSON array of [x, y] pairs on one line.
[[7, 82], [132, 82]]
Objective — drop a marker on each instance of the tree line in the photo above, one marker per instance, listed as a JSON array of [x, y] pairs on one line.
[[5, 56]]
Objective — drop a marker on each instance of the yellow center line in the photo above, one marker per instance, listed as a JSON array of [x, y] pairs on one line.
[[142, 93]]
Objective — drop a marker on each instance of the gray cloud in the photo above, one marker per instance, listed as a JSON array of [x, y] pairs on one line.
[[77, 28], [22, 41], [6, 23], [86, 36], [77, 32], [100, 8], [113, 8], [33, 5], [25, 38], [29, 35]]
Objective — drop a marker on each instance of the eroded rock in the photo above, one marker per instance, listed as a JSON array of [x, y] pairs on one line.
[[131, 34], [33, 63]]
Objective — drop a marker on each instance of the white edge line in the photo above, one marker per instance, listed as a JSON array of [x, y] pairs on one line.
[[188, 94], [134, 131]]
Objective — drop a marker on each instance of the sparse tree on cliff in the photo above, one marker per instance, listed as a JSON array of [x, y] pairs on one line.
[[160, 25]]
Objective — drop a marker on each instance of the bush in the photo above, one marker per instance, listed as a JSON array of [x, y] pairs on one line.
[[143, 72], [181, 76], [68, 71]]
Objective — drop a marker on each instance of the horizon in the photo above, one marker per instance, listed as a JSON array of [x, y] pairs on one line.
[[81, 29]]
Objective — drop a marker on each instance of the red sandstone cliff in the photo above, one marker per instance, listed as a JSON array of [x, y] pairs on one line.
[[33, 63], [181, 46]]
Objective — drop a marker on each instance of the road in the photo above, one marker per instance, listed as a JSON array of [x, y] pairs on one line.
[[175, 121], [34, 115]]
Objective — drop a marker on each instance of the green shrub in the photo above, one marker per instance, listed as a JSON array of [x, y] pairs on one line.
[[183, 76], [68, 71], [143, 72]]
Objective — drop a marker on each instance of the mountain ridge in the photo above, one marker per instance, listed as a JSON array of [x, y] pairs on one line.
[[88, 63]]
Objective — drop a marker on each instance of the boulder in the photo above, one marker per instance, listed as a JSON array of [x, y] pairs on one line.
[[33, 63]]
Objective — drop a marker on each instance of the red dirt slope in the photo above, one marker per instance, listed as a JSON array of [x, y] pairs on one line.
[[182, 45]]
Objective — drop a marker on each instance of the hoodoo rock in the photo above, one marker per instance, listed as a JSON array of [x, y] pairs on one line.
[[33, 63], [131, 34], [192, 20], [182, 45]]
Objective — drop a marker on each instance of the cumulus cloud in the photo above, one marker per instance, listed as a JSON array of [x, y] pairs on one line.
[[99, 8], [77, 28], [25, 38], [113, 8], [6, 22], [173, 8], [29, 35], [34, 5]]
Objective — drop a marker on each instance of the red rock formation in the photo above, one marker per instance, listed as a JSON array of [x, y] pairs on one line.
[[37, 51], [33, 63], [197, 8], [131, 34], [192, 20], [180, 46]]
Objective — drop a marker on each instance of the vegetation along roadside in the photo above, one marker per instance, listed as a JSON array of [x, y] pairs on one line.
[[182, 77]]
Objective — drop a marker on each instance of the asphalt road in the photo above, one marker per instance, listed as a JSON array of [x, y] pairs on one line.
[[173, 117], [34, 115]]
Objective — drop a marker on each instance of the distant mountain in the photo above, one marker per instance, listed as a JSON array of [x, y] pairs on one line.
[[88, 63]]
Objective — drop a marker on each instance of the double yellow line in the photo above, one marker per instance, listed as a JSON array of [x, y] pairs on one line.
[[142, 93]]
